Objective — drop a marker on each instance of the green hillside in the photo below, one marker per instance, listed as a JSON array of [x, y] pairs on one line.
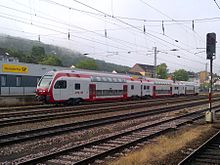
[[31, 51]]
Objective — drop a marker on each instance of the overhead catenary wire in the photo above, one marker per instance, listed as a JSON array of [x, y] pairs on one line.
[[151, 35], [217, 4], [131, 25], [138, 28], [111, 38], [104, 14]]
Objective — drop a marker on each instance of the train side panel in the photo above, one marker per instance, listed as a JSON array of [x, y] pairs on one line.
[[109, 90], [147, 89], [134, 88], [67, 88], [162, 90]]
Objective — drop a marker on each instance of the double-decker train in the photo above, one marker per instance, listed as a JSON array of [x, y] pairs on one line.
[[75, 86]]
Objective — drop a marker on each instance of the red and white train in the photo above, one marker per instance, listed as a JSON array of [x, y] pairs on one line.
[[74, 86]]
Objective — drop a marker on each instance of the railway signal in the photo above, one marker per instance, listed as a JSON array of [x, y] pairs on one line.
[[210, 45], [210, 52]]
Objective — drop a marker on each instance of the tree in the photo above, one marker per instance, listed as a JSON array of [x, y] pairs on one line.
[[181, 75], [162, 71], [37, 53], [87, 64], [37, 50], [51, 60]]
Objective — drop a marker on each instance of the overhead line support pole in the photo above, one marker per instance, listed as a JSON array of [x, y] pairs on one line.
[[155, 62], [210, 89]]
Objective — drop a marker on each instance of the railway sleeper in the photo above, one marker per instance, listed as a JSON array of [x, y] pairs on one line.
[[98, 161], [73, 158], [102, 147], [92, 150], [58, 161], [110, 144], [206, 161], [211, 153], [68, 157], [116, 142], [212, 157]]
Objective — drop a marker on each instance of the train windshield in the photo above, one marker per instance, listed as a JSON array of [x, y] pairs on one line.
[[45, 81]]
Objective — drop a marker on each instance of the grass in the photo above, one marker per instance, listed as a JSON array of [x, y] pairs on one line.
[[163, 146]]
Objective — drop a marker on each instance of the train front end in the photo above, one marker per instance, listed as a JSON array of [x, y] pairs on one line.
[[43, 93]]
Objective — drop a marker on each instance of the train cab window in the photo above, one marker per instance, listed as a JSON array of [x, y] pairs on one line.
[[18, 81], [77, 86], [61, 84], [132, 87], [3, 81]]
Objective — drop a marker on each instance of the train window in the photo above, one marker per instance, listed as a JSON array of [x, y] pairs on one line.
[[77, 86], [3, 81], [61, 84], [132, 87], [98, 92], [148, 87], [145, 87], [109, 79], [18, 81], [114, 79], [104, 79], [98, 78]]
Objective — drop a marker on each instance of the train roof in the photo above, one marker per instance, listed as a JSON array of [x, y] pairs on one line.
[[91, 73]]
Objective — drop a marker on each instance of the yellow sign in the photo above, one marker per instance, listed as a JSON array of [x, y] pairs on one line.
[[14, 68]]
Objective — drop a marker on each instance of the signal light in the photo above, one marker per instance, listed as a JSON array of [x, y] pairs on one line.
[[210, 45]]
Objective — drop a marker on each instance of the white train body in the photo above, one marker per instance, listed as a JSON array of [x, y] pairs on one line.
[[75, 86]]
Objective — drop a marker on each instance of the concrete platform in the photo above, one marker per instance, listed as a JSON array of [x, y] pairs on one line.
[[17, 100]]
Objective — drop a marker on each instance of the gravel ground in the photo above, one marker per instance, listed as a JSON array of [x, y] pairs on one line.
[[44, 124], [175, 158], [69, 139]]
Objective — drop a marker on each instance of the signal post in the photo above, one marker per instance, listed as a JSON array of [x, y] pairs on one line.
[[211, 55]]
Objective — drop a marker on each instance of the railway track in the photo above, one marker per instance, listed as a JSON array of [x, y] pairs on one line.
[[59, 113], [207, 154], [16, 137], [41, 109], [97, 150]]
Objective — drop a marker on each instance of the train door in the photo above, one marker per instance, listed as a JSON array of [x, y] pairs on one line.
[[92, 91], [171, 91], [141, 90], [59, 87], [154, 91], [125, 91]]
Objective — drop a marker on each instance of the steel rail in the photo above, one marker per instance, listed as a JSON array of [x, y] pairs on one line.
[[59, 115], [207, 153], [116, 143], [48, 109], [11, 138]]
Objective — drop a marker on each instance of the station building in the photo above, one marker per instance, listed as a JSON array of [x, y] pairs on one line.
[[18, 78]]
